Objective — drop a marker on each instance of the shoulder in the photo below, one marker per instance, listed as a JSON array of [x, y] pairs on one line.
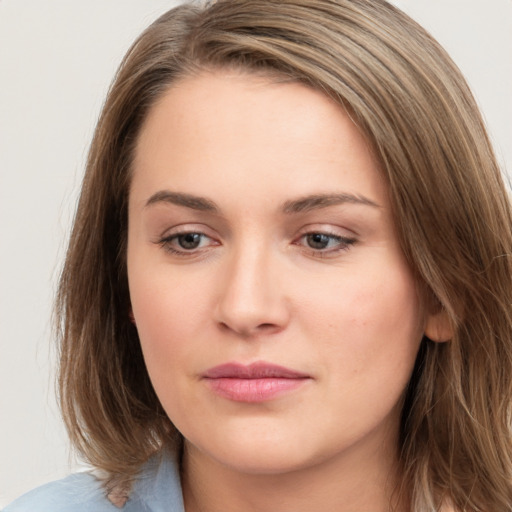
[[80, 492], [157, 488]]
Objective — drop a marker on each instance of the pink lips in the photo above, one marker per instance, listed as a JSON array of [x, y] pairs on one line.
[[257, 382]]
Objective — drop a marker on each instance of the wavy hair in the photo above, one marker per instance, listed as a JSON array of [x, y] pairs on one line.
[[450, 208]]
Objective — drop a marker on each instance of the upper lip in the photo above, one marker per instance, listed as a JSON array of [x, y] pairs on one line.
[[258, 370]]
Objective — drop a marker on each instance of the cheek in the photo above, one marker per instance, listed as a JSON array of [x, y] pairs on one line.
[[167, 312], [374, 346], [370, 321], [168, 320]]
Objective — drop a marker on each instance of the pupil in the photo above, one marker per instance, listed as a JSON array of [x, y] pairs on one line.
[[189, 240], [318, 241]]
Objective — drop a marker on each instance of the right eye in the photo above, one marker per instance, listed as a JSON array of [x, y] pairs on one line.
[[189, 241], [186, 243]]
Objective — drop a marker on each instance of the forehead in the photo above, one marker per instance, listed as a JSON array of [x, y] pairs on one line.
[[236, 133]]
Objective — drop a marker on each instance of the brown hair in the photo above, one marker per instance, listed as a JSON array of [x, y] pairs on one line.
[[451, 212]]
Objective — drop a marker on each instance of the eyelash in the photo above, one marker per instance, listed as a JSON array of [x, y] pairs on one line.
[[167, 241], [342, 243]]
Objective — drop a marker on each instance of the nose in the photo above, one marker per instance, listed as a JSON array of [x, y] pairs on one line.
[[251, 300]]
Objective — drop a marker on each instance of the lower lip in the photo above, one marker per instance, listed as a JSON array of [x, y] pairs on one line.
[[254, 390]]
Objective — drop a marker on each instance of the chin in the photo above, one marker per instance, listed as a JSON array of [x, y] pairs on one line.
[[263, 456], [264, 463]]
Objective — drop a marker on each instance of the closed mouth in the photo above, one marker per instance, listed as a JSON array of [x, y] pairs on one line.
[[253, 383]]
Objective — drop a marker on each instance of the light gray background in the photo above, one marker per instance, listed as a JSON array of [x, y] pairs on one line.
[[57, 58]]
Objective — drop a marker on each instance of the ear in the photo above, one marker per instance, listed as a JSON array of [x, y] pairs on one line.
[[131, 317], [438, 327]]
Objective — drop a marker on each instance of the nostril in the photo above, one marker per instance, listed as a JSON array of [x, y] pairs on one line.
[[266, 327], [248, 331]]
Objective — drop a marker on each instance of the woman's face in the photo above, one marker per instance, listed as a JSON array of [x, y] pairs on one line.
[[278, 319]]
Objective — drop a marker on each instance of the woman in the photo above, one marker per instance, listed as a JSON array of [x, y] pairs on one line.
[[288, 285]]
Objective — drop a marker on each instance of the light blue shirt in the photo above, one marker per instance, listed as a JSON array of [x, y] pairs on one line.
[[157, 489]]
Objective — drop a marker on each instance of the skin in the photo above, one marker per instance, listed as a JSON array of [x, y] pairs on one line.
[[259, 288]]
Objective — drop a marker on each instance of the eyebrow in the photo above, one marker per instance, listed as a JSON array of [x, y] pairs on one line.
[[300, 205], [318, 201], [186, 200]]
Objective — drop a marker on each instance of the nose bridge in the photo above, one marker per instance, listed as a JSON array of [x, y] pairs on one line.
[[250, 299]]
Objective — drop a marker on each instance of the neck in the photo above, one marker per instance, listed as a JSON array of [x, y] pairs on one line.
[[349, 484]]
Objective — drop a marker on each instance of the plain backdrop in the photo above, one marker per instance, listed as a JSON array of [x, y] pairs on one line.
[[57, 58]]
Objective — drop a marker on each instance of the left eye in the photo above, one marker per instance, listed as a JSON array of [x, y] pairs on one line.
[[326, 242]]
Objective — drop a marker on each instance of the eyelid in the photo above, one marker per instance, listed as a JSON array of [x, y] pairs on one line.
[[187, 228], [345, 242], [166, 239], [328, 229]]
